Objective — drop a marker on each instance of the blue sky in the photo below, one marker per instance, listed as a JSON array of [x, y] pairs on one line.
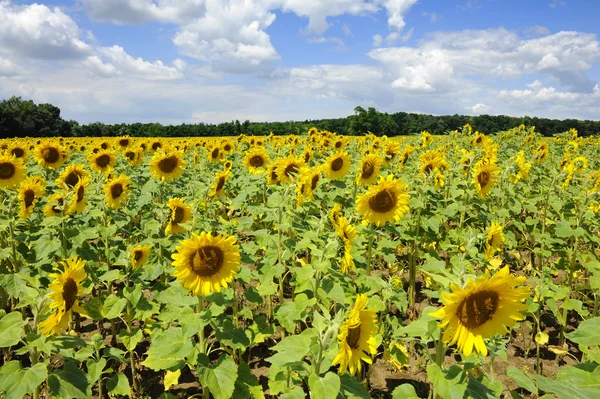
[[175, 61]]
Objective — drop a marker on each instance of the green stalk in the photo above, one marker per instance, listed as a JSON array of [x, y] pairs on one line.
[[369, 252]]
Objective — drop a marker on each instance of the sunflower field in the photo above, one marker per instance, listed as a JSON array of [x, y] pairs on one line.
[[318, 265]]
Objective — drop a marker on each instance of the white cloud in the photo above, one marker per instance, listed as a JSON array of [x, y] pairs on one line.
[[117, 57], [537, 30], [347, 31], [433, 17], [99, 68], [328, 39], [37, 31], [481, 109], [396, 10], [556, 3], [141, 11], [377, 41], [8, 68]]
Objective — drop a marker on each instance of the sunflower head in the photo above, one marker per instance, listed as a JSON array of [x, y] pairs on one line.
[[12, 171], [485, 176], [385, 202], [206, 263], [370, 166], [102, 160], [337, 165], [116, 191], [483, 308], [30, 190], [217, 190], [167, 165], [71, 175], [49, 155], [78, 198], [256, 160], [356, 339], [272, 174], [289, 168], [180, 213], [139, 255], [335, 214]]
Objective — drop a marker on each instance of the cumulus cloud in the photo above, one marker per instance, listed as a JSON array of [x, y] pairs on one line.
[[37, 31], [8, 68], [481, 109], [141, 11], [396, 10]]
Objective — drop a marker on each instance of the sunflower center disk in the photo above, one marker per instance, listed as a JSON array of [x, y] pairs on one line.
[[256, 161], [72, 179], [103, 160], [80, 193], [367, 170], [28, 198], [18, 152], [291, 170], [221, 183], [130, 155], [353, 337], [383, 202], [168, 165], [137, 255], [337, 164], [7, 170], [116, 190], [215, 153], [156, 146], [178, 214], [483, 178], [313, 182], [478, 308], [50, 155], [69, 293], [207, 261]]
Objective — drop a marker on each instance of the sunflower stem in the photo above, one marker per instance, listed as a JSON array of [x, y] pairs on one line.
[[369, 252], [236, 317]]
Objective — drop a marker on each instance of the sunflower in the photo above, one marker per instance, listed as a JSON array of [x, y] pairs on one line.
[[337, 165], [385, 202], [335, 214], [256, 160], [116, 191], [272, 176], [396, 355], [180, 213], [307, 155], [78, 199], [167, 165], [370, 165], [49, 155], [494, 240], [217, 189], [484, 177], [205, 263], [523, 166], [30, 189], [345, 230], [391, 152], [439, 180], [288, 168], [139, 255], [12, 171], [406, 153], [311, 178], [71, 175], [134, 156], [102, 160], [55, 205], [356, 339], [431, 161], [482, 309], [19, 152], [215, 154], [347, 261], [66, 288]]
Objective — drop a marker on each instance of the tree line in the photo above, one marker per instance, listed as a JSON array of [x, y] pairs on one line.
[[24, 118]]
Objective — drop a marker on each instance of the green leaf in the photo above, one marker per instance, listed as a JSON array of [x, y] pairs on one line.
[[11, 329], [449, 384], [70, 382], [130, 340], [118, 385], [247, 384], [521, 379], [95, 369], [404, 391], [113, 306], [295, 393], [233, 337], [221, 379], [16, 382], [291, 349], [324, 387], [168, 349], [572, 382], [587, 333], [351, 388]]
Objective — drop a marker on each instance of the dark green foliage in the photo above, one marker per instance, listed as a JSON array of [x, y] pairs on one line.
[[20, 118]]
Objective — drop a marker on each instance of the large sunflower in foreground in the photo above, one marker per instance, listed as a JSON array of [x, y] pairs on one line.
[[385, 202], [66, 289], [337, 165], [71, 175], [256, 160], [370, 165], [356, 339], [12, 171], [30, 190], [180, 213], [205, 263], [116, 191], [167, 165], [483, 308], [484, 177], [49, 155]]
